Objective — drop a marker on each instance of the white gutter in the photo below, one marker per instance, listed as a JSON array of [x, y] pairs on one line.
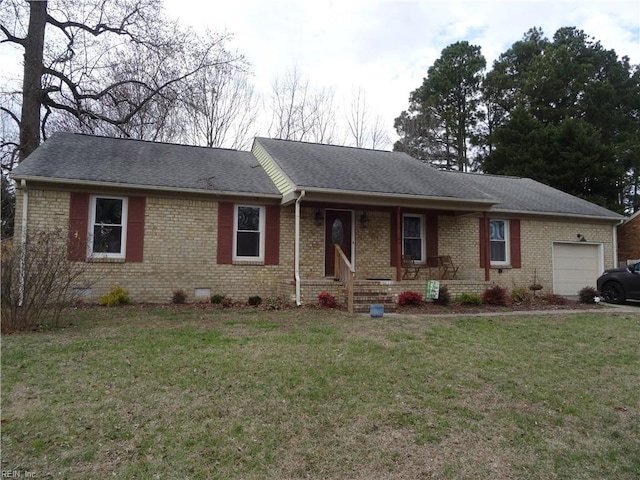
[[297, 249], [23, 241], [613, 218]]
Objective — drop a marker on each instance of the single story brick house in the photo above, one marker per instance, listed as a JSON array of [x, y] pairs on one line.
[[156, 217]]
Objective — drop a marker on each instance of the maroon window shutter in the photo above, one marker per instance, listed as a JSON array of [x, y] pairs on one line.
[[135, 229], [394, 239], [483, 243], [78, 226], [432, 237], [514, 245], [225, 232], [272, 235]]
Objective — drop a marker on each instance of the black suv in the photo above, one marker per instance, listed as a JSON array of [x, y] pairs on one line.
[[620, 284]]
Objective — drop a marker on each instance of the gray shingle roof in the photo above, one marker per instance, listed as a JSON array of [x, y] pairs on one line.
[[86, 158], [332, 167], [77, 157], [526, 195]]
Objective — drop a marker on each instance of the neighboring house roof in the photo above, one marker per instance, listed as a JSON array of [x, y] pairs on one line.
[[88, 159], [632, 217], [516, 194], [349, 169]]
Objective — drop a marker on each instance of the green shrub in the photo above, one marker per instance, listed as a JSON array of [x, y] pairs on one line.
[[495, 295], [275, 303], [409, 298], [587, 295], [217, 299], [521, 295], [469, 299], [179, 297], [444, 296], [553, 299], [255, 300], [116, 296]]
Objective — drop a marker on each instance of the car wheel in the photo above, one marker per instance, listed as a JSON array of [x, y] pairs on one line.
[[613, 292]]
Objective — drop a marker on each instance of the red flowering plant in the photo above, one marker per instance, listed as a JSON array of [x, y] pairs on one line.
[[326, 300], [409, 298]]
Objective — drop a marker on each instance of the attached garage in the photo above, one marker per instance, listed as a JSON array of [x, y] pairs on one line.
[[575, 266]]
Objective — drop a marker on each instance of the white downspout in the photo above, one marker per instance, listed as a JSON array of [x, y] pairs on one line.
[[297, 248], [23, 241]]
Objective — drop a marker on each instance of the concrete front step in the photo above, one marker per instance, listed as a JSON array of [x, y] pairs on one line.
[[366, 308], [363, 299]]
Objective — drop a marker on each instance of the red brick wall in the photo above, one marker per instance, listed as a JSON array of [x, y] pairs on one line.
[[629, 240]]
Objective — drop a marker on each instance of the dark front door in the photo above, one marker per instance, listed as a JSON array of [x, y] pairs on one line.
[[337, 229]]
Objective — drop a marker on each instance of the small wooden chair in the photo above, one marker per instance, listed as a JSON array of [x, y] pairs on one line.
[[447, 267], [410, 268]]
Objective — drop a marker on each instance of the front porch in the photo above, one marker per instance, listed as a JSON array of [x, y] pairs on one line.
[[359, 253]]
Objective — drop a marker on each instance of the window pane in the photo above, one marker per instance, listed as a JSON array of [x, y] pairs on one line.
[[413, 247], [249, 218], [498, 252], [497, 229], [412, 227], [107, 239], [109, 211], [337, 232], [248, 244]]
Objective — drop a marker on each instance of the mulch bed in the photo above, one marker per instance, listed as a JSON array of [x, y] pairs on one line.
[[434, 309], [427, 307]]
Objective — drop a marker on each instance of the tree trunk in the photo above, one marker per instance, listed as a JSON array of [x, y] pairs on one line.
[[32, 82]]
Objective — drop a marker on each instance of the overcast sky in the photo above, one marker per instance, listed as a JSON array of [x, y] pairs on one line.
[[386, 46]]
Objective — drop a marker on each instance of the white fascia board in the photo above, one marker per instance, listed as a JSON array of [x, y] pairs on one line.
[[153, 188]]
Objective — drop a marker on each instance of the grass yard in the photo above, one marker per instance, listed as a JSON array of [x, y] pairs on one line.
[[222, 394]]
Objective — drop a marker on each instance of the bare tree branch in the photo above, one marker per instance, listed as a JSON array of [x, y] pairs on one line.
[[116, 68], [297, 112], [13, 116], [10, 37]]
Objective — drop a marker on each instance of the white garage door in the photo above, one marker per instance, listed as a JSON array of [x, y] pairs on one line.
[[575, 266]]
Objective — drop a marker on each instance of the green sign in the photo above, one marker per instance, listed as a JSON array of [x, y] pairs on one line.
[[433, 287]]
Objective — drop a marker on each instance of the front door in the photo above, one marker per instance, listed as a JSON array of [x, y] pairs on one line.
[[337, 229]]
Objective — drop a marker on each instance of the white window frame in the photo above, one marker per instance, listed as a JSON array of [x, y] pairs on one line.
[[423, 235], [507, 242], [261, 231], [92, 218]]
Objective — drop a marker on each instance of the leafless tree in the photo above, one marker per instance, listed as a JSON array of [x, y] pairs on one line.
[[378, 136], [357, 117], [221, 106], [78, 64], [365, 130], [300, 113]]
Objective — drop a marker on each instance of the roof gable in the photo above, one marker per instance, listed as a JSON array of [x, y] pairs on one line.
[[349, 169]]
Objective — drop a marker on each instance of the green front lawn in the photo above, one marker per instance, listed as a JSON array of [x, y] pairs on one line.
[[186, 393]]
